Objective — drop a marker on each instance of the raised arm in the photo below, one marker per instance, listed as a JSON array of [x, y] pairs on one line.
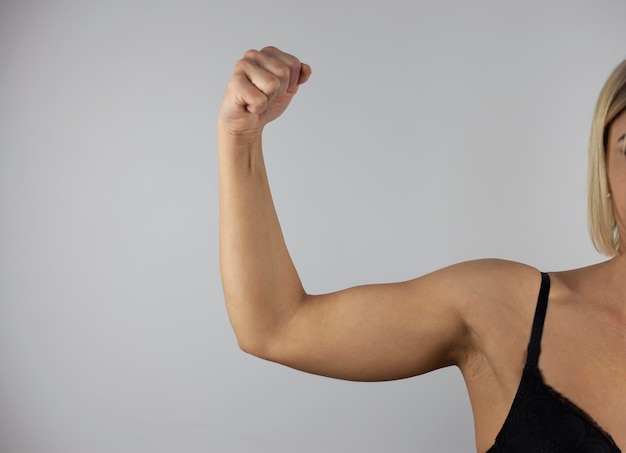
[[261, 286], [375, 332]]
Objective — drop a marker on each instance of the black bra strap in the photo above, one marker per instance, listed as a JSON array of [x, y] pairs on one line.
[[534, 347]]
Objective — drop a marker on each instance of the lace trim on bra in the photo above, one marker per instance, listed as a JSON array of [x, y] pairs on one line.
[[512, 436], [578, 410]]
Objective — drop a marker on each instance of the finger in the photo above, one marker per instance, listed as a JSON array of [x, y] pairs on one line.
[[270, 74], [292, 63], [305, 73], [247, 95]]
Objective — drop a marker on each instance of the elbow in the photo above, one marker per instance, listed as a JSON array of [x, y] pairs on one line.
[[251, 337], [249, 345], [266, 337], [253, 344], [265, 346]]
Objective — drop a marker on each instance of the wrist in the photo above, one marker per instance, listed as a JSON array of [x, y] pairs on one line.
[[237, 141]]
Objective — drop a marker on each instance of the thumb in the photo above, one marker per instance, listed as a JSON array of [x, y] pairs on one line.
[[305, 73]]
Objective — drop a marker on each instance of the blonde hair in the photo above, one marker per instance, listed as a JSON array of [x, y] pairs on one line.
[[602, 222]]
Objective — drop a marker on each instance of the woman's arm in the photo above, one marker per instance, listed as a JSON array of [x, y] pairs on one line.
[[374, 332], [261, 286]]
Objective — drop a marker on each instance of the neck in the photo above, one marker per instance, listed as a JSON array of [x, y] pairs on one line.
[[612, 277]]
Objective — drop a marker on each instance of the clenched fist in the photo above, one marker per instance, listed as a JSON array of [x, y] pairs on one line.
[[260, 89]]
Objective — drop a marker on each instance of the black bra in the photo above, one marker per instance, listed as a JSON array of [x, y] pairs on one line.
[[541, 419]]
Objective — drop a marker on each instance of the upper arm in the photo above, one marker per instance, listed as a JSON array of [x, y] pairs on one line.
[[390, 331]]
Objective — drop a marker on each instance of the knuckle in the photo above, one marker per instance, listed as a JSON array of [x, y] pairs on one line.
[[251, 54], [274, 84], [235, 81], [292, 62], [257, 104], [270, 50], [241, 66], [283, 72]]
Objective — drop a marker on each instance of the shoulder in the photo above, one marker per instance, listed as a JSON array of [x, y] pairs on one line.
[[487, 280], [586, 287], [574, 280], [484, 295], [496, 300], [480, 289]]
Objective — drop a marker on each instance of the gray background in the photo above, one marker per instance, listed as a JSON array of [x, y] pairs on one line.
[[431, 132]]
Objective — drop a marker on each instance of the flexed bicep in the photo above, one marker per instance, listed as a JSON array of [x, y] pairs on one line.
[[382, 331]]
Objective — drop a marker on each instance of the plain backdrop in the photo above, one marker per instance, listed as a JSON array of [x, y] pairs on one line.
[[431, 132]]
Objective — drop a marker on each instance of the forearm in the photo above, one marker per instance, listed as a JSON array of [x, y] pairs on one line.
[[261, 286]]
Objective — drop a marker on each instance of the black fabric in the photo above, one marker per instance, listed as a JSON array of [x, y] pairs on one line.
[[542, 420]]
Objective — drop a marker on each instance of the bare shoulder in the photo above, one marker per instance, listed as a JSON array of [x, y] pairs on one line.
[[586, 287], [575, 280], [598, 288], [488, 282], [479, 290], [498, 303], [492, 270], [495, 299]]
